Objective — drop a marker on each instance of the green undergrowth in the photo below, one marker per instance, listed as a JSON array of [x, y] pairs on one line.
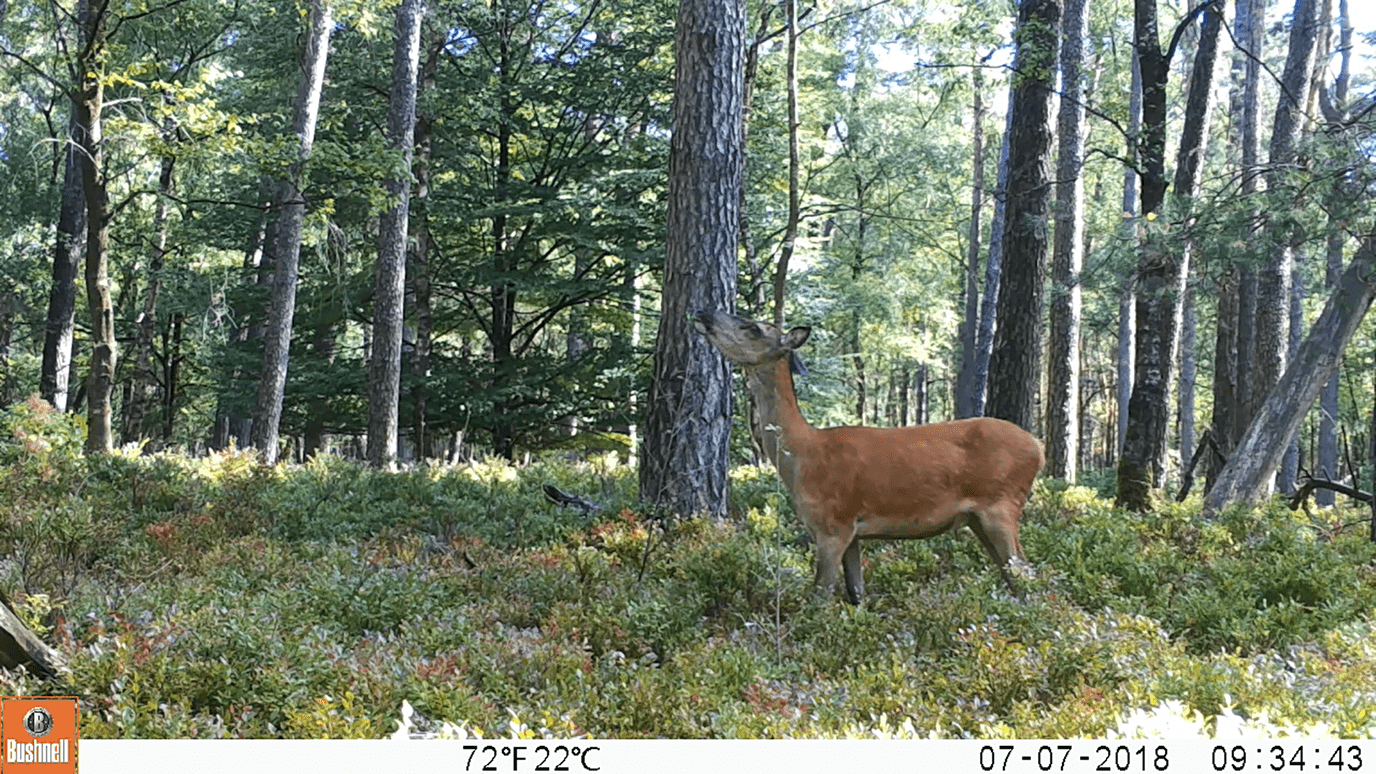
[[216, 598]]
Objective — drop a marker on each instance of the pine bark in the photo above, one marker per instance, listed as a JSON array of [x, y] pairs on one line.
[[1062, 434], [1015, 363], [686, 450], [389, 288], [291, 208]]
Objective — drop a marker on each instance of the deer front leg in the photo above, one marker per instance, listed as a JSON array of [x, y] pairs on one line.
[[829, 551], [855, 577]]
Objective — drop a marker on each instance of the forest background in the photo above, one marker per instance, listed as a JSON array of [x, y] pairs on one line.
[[532, 267]]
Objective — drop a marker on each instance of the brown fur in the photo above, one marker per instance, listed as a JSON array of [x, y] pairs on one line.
[[849, 483]]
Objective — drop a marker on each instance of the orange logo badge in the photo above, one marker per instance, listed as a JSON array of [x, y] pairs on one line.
[[38, 735]]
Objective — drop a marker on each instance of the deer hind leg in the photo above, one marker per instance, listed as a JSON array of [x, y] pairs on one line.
[[855, 577]]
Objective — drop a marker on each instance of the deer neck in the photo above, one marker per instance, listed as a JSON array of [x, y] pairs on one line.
[[779, 424]]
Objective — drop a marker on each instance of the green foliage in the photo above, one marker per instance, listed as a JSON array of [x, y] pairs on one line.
[[228, 599]]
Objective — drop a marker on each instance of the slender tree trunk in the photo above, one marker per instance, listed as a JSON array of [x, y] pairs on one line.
[[1273, 281], [1161, 274], [754, 293], [1063, 409], [1015, 364], [145, 383], [1290, 463], [291, 207], [389, 289], [324, 344], [1247, 476], [418, 273], [503, 290], [794, 166], [967, 385], [993, 274], [56, 373], [1230, 339], [1189, 166], [89, 104], [686, 448], [1127, 297], [172, 370], [1326, 464], [1189, 371]]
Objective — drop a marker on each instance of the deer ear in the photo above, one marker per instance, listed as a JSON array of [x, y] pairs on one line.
[[796, 337]]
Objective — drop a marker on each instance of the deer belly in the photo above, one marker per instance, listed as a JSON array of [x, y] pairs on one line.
[[903, 526]]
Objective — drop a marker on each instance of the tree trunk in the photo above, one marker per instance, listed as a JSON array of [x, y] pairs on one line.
[[993, 274], [1063, 409], [1246, 477], [89, 104], [1015, 363], [1127, 298], [1273, 280], [502, 293], [1290, 463], [291, 207], [1189, 172], [1162, 275], [69, 246], [172, 369], [794, 166], [145, 386], [1326, 464], [1189, 371], [966, 383], [389, 289], [686, 449], [324, 344], [418, 273]]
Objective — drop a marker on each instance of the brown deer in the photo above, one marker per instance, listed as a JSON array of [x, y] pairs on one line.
[[848, 483]]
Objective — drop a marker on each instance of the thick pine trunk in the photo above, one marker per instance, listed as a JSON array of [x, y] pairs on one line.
[[291, 207], [1015, 363], [686, 449], [389, 288]]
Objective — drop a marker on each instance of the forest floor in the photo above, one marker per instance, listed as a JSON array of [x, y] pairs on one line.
[[210, 598]]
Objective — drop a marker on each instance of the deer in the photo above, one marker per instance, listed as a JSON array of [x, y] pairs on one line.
[[853, 483]]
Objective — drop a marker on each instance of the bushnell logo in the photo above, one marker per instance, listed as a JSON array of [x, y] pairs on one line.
[[39, 722]]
